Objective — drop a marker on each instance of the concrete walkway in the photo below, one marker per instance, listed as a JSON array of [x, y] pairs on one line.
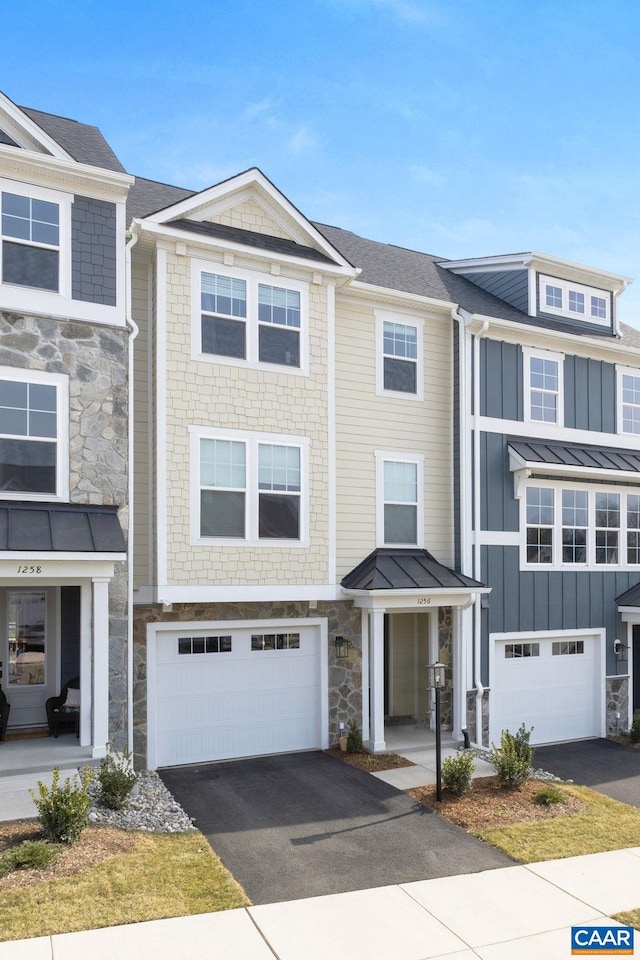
[[515, 913], [415, 743]]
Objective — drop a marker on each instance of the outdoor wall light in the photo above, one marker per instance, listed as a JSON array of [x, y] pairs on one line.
[[621, 650], [342, 648]]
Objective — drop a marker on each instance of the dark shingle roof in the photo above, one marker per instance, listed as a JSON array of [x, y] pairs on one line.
[[81, 141], [149, 196], [251, 239], [630, 336], [630, 598], [6, 139], [576, 455], [389, 568], [65, 526]]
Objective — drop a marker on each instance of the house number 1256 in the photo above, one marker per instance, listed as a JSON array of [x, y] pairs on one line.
[[27, 568], [423, 601]]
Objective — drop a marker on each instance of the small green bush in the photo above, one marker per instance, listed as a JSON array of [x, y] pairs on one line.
[[634, 730], [513, 759], [354, 739], [30, 854], [457, 773], [549, 795], [63, 810], [116, 778]]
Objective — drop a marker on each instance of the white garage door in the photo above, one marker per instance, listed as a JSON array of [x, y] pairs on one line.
[[235, 693], [552, 684]]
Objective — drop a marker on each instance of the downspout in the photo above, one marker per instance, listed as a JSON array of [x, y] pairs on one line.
[[133, 333], [477, 626]]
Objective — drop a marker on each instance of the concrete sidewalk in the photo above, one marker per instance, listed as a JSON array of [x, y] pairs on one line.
[[515, 913]]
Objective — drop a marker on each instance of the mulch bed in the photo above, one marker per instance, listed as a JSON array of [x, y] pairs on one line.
[[489, 805], [371, 762]]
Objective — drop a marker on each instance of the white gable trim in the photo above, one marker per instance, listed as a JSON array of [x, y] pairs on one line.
[[26, 131], [229, 192]]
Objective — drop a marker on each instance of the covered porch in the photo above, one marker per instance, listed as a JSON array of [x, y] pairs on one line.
[[415, 611]]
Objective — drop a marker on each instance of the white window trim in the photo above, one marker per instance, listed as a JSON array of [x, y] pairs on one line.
[[409, 320], [61, 382], [622, 371], [592, 489], [382, 457], [566, 286], [528, 354], [252, 279], [251, 439]]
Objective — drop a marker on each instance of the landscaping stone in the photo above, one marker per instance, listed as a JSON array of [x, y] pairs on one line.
[[150, 807]]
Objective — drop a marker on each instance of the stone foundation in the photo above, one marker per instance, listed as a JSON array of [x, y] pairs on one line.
[[472, 726], [617, 703]]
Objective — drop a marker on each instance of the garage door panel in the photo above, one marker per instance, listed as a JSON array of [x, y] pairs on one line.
[[215, 706]]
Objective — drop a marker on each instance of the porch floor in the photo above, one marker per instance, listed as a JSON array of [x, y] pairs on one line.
[[417, 743], [42, 754]]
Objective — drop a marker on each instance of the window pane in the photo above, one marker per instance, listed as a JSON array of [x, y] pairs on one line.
[[28, 466], [400, 375], [606, 546], [16, 205], [576, 301], [539, 545], [45, 212], [277, 345], [278, 467], [544, 407], [278, 305], [13, 394], [544, 374], [574, 508], [42, 424], [26, 617], [633, 546], [221, 513], [400, 523], [539, 505], [574, 546], [607, 510], [225, 295], [400, 482], [279, 516], [633, 512], [554, 296], [16, 227], [400, 340], [30, 266], [42, 397], [599, 307], [222, 464], [225, 338]]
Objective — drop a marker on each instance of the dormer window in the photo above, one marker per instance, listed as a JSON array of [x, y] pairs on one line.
[[574, 301]]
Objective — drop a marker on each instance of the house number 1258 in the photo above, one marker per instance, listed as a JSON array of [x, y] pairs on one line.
[[27, 568]]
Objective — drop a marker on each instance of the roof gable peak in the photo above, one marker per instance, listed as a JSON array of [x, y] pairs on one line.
[[26, 133]]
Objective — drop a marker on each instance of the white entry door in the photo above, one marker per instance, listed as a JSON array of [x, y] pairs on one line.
[[234, 693], [554, 684], [30, 652]]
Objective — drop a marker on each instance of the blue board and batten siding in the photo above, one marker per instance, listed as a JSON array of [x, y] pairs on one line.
[[93, 251], [512, 286]]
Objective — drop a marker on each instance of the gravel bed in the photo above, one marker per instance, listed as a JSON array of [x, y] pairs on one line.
[[150, 807]]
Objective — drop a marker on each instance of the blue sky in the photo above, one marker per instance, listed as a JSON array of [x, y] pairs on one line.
[[457, 127]]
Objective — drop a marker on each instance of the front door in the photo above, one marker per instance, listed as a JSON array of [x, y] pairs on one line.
[[31, 652]]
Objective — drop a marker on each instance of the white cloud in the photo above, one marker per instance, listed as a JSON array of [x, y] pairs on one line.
[[302, 140], [423, 174]]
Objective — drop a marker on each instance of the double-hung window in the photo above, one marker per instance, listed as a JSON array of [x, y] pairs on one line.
[[248, 319], [33, 434], [543, 386], [628, 388], [400, 499], [248, 488], [399, 351], [607, 517], [30, 234], [540, 522]]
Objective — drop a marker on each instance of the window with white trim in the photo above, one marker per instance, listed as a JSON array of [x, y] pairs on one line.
[[628, 390], [248, 488], [543, 386], [248, 319], [400, 499], [579, 526], [399, 352], [576, 301], [30, 230], [33, 434]]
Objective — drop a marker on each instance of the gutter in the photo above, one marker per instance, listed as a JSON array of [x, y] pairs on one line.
[[133, 333]]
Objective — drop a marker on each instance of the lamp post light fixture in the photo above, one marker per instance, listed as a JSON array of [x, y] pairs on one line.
[[342, 648], [436, 673]]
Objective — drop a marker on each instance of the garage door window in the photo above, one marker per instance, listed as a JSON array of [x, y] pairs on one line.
[[567, 648], [514, 651], [190, 645], [275, 641]]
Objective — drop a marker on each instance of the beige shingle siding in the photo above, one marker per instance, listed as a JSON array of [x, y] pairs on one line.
[[249, 215], [366, 423], [142, 505]]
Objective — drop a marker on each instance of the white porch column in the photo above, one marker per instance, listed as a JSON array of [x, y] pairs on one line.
[[86, 664], [459, 714], [100, 666], [376, 742], [364, 628]]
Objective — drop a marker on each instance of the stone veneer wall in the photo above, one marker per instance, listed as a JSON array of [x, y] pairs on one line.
[[445, 655], [617, 702], [345, 676], [95, 360], [472, 720]]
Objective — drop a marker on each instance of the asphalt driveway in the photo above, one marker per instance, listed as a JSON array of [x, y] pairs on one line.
[[306, 824], [611, 768]]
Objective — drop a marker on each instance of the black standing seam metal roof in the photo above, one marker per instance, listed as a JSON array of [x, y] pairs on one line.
[[67, 527], [576, 455], [630, 598], [389, 568]]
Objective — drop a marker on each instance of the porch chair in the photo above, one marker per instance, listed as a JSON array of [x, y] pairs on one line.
[[65, 708], [5, 708]]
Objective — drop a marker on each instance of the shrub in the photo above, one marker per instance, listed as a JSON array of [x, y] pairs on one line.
[[63, 809], [549, 795], [634, 730], [30, 854], [457, 772], [512, 760], [354, 739], [115, 778]]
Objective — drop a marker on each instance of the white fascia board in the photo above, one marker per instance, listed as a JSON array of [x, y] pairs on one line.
[[26, 131], [370, 291], [31, 556], [576, 271], [176, 235], [629, 614], [508, 261], [76, 177], [248, 593], [418, 601], [589, 473], [249, 178]]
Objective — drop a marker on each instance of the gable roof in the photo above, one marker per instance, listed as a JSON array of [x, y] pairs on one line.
[[249, 238], [150, 196], [82, 142]]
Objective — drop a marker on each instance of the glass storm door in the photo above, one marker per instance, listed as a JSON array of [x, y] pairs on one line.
[[30, 676]]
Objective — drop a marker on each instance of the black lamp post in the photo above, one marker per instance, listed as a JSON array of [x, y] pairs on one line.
[[436, 682]]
